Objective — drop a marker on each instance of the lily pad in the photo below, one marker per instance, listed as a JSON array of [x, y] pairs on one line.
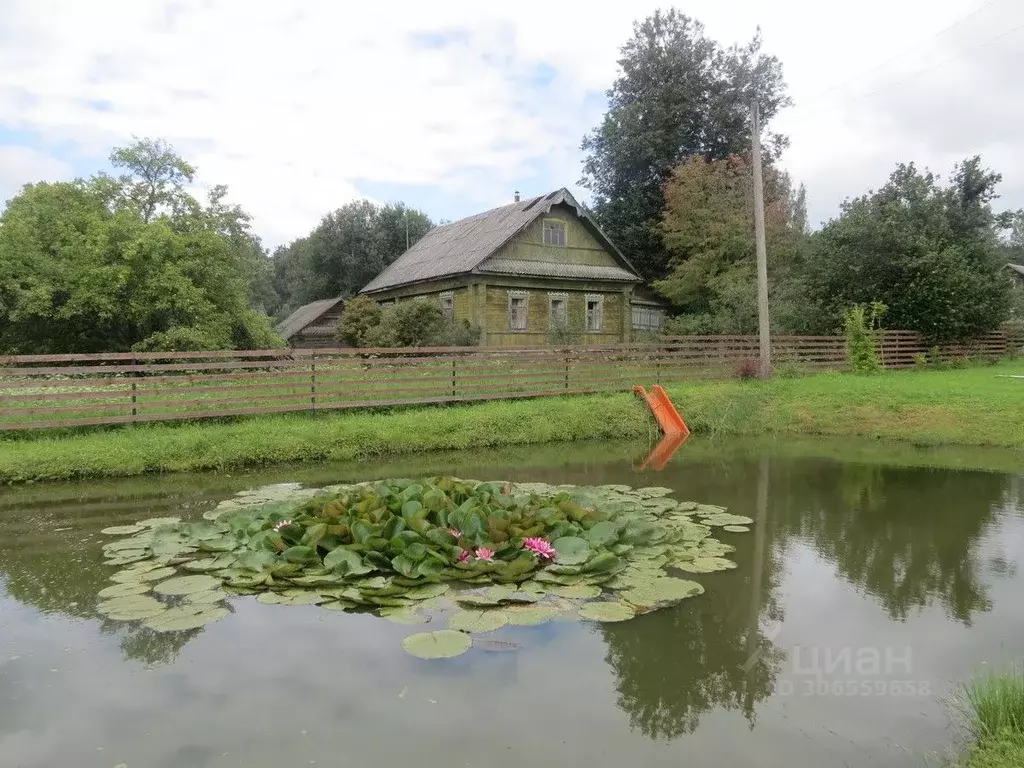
[[427, 591], [606, 610], [654, 491], [155, 522], [571, 550], [576, 591], [529, 615], [212, 596], [339, 605], [156, 574], [408, 615], [127, 557], [133, 603], [185, 618], [122, 530], [186, 585], [736, 528], [661, 592], [443, 644], [123, 590], [707, 565], [477, 621]]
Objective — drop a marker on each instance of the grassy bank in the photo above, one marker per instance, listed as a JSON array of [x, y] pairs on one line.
[[958, 407], [994, 708]]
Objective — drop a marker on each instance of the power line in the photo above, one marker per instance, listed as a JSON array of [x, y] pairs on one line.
[[942, 63], [905, 51]]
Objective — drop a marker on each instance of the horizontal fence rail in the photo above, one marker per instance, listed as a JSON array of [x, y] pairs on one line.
[[46, 391]]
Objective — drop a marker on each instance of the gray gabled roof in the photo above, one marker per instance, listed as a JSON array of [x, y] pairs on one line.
[[1017, 268], [303, 316], [463, 246]]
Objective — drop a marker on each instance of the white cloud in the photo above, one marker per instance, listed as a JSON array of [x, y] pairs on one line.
[[294, 105], [19, 165]]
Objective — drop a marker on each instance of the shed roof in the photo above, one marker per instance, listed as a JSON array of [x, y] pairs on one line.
[[305, 315], [463, 246], [1017, 268]]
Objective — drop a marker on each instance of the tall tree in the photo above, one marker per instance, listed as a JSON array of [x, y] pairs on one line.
[[679, 94], [347, 249], [708, 234], [154, 179], [111, 264], [929, 251]]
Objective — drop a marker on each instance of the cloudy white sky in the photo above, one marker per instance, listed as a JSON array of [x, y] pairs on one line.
[[452, 105]]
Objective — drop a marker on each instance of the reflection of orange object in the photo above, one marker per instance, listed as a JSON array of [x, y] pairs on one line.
[[666, 414], [662, 452]]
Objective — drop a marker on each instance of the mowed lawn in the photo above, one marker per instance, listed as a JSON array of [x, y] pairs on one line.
[[980, 406]]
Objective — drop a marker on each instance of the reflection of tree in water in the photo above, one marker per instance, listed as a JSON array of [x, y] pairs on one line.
[[907, 536], [51, 559], [674, 666]]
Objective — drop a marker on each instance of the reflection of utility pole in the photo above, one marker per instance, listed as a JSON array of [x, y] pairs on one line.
[[753, 623], [763, 327], [407, 229]]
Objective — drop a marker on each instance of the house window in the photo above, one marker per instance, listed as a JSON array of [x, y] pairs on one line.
[[595, 313], [647, 318], [517, 307], [448, 305], [558, 310], [554, 232]]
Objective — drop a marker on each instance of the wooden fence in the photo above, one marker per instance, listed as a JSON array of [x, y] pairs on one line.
[[42, 391]]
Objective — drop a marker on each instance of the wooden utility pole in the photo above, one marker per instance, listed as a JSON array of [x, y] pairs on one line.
[[763, 326]]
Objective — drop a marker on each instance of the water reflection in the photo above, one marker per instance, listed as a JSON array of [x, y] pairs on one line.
[[674, 666], [908, 539]]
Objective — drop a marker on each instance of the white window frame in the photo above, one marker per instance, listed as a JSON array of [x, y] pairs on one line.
[[555, 225], [447, 300], [525, 296], [552, 298], [599, 313]]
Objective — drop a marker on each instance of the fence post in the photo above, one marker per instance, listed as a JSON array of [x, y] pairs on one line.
[[312, 380], [568, 353], [453, 377], [135, 399]]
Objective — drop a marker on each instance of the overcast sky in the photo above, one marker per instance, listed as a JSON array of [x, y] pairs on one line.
[[452, 105]]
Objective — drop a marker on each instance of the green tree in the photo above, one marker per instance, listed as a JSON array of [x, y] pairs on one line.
[[708, 234], [361, 315], [930, 252], [678, 94], [419, 324], [118, 264], [349, 247]]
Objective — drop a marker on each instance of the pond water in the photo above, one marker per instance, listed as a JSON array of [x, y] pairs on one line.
[[865, 593]]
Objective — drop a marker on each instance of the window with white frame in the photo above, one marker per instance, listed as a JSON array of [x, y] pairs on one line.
[[554, 232], [518, 304], [448, 305], [647, 318], [558, 310], [595, 313]]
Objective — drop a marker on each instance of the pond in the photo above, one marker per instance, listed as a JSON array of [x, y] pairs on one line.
[[865, 593]]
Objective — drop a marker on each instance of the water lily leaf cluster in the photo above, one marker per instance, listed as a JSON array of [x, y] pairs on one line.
[[484, 555]]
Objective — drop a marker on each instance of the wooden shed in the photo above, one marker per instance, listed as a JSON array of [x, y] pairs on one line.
[[313, 324]]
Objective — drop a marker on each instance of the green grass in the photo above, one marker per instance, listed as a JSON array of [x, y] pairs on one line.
[[968, 407], [971, 406], [993, 705]]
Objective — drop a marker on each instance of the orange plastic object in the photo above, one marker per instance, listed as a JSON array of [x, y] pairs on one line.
[[666, 414], [662, 452]]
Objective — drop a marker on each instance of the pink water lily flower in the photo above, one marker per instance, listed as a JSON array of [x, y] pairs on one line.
[[455, 532], [483, 553], [463, 556], [282, 524], [540, 547]]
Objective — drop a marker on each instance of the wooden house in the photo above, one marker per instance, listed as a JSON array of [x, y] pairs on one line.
[[313, 324], [539, 270]]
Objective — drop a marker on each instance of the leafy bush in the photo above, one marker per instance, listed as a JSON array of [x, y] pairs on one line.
[[409, 324], [360, 316], [863, 327], [920, 360]]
